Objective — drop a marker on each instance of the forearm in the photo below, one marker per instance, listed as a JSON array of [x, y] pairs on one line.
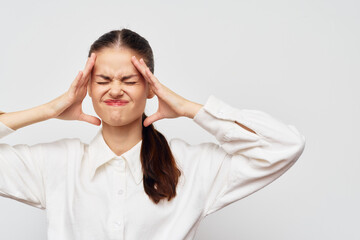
[[192, 109], [19, 119]]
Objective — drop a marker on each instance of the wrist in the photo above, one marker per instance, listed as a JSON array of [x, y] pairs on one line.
[[45, 111], [192, 109], [53, 108], [48, 110]]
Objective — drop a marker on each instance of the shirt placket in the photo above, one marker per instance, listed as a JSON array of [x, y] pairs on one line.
[[119, 193]]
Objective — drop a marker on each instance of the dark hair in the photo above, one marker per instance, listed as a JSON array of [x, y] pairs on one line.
[[160, 172]]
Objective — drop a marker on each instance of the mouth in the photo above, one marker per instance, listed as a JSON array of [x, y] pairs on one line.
[[116, 102]]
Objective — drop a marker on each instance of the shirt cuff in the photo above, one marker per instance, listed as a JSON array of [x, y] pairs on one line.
[[218, 118], [5, 130]]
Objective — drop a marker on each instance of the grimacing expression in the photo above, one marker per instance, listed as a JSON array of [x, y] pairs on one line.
[[115, 77]]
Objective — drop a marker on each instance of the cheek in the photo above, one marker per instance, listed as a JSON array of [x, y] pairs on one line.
[[138, 92], [96, 93]]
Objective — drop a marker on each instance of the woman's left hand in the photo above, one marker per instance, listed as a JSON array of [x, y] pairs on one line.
[[171, 105]]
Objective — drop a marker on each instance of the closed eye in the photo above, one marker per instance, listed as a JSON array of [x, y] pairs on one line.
[[128, 83]]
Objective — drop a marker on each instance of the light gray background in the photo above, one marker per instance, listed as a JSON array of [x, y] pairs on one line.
[[296, 60]]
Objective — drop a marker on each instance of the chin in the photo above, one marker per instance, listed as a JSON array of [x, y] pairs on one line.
[[121, 122]]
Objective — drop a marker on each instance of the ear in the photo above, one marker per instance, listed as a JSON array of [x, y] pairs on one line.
[[89, 88], [151, 94]]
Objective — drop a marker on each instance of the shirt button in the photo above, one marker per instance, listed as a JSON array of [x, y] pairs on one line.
[[120, 191], [122, 165], [117, 223]]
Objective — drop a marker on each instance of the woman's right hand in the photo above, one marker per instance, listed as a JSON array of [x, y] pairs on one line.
[[68, 106]]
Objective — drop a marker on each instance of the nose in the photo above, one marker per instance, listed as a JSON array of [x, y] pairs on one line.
[[116, 90]]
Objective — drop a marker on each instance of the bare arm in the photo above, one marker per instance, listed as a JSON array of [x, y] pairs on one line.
[[19, 119], [65, 107]]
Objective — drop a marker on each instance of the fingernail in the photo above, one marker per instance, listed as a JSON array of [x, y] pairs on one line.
[[141, 60]]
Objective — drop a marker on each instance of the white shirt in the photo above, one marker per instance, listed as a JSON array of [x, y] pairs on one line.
[[90, 193]]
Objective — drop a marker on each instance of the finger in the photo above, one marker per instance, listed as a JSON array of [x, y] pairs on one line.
[[153, 118], [155, 83], [89, 62], [77, 79], [75, 84], [90, 119], [140, 67], [152, 79], [148, 76], [88, 67], [148, 73]]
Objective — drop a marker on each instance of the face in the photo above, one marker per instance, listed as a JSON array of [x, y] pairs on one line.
[[114, 77]]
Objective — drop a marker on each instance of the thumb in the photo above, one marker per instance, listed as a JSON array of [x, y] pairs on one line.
[[149, 120], [90, 119]]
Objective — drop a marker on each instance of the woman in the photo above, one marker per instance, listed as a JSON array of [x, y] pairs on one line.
[[94, 191]]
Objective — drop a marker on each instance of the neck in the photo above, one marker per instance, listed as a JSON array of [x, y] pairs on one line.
[[120, 139]]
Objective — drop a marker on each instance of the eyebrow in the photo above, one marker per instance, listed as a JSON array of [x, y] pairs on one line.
[[122, 79]]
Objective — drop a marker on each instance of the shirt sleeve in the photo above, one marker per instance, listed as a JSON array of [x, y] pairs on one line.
[[21, 171], [243, 162]]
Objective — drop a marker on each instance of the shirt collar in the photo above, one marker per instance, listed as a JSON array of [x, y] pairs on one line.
[[100, 153]]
